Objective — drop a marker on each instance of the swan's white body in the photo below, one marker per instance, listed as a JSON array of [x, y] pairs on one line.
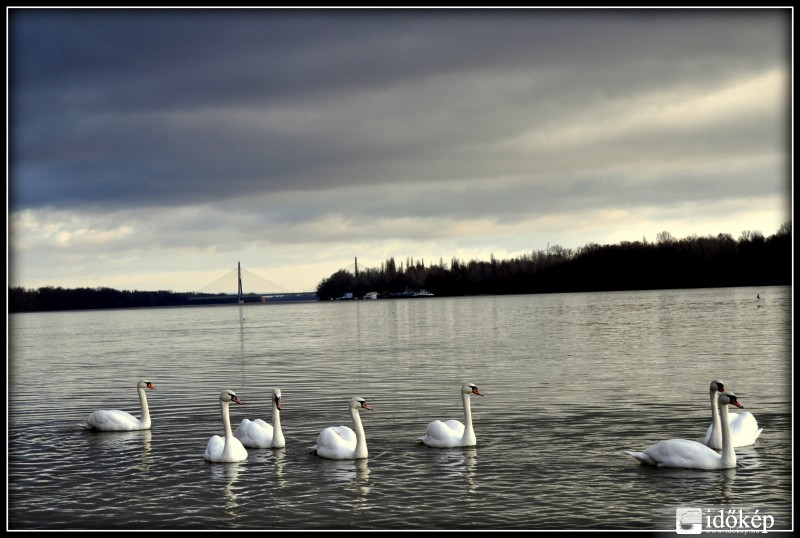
[[744, 427], [341, 442], [259, 434], [226, 449], [114, 420], [452, 433], [687, 454]]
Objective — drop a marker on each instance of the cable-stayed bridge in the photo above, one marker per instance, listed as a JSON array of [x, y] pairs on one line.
[[249, 281], [243, 286], [357, 268]]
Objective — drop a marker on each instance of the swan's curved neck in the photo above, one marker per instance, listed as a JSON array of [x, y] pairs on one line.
[[226, 423], [728, 454], [468, 439], [716, 431], [226, 420], [361, 438], [145, 408], [277, 433]]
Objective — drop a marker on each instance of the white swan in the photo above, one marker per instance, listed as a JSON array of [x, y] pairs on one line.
[[452, 433], [226, 449], [258, 434], [686, 454], [744, 427], [341, 442], [114, 420]]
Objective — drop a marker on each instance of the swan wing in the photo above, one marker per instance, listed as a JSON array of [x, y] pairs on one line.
[[218, 452], [443, 434], [113, 420], [680, 453], [707, 437], [234, 451], [243, 433], [744, 428], [214, 448], [254, 433], [336, 442], [744, 431]]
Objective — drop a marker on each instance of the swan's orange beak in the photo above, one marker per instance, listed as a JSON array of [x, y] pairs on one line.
[[737, 404], [476, 391], [277, 404], [365, 405], [235, 399], [150, 386]]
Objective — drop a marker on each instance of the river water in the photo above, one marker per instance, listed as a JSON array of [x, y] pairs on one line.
[[570, 381]]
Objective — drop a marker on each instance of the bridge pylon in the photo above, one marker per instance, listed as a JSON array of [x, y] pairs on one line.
[[240, 294]]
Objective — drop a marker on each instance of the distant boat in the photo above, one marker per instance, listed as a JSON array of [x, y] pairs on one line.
[[400, 294], [409, 293], [371, 295]]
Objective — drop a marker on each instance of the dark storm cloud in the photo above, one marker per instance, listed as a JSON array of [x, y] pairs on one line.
[[173, 107], [151, 148]]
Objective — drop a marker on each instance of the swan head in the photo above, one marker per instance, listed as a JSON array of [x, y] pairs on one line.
[[359, 403], [716, 386], [145, 384], [228, 396], [470, 388], [276, 397], [729, 397]]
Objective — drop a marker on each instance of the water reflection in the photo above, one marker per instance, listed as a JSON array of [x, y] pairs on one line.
[[717, 484], [226, 476], [727, 495], [354, 474], [61, 477], [124, 445], [360, 483], [122, 440], [351, 488], [241, 346], [361, 486], [274, 458], [147, 451], [279, 461], [460, 464], [470, 460]]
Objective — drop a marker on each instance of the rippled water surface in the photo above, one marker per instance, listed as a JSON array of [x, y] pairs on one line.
[[570, 382]]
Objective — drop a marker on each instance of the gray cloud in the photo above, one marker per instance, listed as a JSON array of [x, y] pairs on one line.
[[250, 127]]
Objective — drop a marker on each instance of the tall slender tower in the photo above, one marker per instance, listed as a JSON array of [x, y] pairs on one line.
[[356, 266], [239, 294]]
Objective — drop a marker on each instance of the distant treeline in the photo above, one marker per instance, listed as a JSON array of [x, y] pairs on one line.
[[669, 263], [49, 298]]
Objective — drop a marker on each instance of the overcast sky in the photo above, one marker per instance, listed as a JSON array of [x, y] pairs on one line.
[[154, 149]]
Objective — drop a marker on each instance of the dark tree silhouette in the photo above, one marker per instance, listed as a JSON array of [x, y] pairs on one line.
[[692, 262]]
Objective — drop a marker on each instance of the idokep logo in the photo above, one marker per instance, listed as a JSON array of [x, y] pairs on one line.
[[696, 520], [688, 520]]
